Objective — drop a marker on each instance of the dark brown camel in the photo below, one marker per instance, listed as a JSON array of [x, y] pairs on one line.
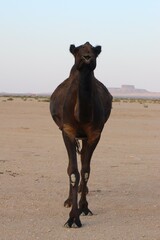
[[80, 106]]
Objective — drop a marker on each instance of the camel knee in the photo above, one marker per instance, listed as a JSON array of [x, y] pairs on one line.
[[74, 179], [86, 176]]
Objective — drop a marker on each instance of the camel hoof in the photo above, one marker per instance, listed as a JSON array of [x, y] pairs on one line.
[[68, 203], [73, 223], [90, 213], [86, 212]]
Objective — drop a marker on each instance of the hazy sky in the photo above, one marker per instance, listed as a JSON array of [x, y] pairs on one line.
[[35, 36]]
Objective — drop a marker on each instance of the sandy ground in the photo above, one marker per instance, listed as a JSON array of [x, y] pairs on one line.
[[124, 184]]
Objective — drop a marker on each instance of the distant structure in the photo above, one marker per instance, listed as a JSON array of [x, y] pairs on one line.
[[131, 91], [130, 88]]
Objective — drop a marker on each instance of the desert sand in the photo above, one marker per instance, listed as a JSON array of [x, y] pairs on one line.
[[124, 184]]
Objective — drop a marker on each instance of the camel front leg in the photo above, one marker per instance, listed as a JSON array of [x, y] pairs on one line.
[[86, 154], [74, 220]]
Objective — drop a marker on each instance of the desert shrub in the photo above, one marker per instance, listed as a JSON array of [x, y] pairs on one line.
[[10, 99], [116, 100]]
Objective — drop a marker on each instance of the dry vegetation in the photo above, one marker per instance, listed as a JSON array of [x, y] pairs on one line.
[[25, 98], [144, 101]]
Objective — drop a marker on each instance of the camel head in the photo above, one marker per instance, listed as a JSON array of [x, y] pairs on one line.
[[85, 56]]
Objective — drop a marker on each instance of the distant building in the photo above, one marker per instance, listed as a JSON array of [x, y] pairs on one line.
[[130, 91], [130, 88]]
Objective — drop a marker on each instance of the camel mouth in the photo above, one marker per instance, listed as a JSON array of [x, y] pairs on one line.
[[87, 58]]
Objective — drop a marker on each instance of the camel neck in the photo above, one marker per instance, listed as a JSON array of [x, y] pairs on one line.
[[86, 82], [85, 96]]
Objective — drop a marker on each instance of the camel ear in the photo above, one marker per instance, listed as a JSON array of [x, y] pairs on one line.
[[98, 50], [72, 48]]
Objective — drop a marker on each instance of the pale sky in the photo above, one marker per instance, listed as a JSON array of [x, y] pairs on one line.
[[35, 36]]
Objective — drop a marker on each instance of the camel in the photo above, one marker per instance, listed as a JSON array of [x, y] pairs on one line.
[[80, 106]]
